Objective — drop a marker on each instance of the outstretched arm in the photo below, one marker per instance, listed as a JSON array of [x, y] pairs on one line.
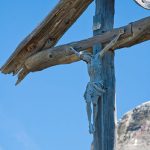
[[84, 55], [111, 44], [78, 54]]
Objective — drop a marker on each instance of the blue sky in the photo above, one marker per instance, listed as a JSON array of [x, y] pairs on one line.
[[47, 110]]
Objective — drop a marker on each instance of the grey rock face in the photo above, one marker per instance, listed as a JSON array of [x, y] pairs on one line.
[[134, 129]]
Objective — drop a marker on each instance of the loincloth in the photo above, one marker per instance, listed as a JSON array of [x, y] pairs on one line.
[[94, 90]]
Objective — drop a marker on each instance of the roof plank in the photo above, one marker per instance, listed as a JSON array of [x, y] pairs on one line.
[[47, 34]]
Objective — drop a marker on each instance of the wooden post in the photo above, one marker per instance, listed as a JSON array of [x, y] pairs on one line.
[[104, 137]]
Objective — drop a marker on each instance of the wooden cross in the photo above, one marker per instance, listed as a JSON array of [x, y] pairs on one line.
[[37, 52]]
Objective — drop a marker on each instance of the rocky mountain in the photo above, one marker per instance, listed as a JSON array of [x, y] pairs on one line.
[[134, 129]]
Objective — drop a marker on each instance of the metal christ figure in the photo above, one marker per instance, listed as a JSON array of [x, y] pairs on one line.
[[95, 87]]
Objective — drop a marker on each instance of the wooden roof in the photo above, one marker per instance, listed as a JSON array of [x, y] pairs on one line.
[[47, 34]]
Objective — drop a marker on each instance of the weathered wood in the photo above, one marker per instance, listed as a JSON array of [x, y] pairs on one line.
[[135, 33], [104, 137], [62, 55], [47, 34]]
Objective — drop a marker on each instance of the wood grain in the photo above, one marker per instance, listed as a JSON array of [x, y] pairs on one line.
[[47, 34], [135, 33], [104, 137]]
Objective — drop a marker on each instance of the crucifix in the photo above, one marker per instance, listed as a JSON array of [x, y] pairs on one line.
[[37, 52], [95, 88]]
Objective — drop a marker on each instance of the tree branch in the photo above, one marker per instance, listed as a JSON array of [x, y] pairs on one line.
[[135, 33]]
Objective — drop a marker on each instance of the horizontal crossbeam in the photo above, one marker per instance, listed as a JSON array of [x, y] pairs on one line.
[[134, 33]]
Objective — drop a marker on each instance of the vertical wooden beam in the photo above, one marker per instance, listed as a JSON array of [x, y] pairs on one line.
[[104, 137]]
